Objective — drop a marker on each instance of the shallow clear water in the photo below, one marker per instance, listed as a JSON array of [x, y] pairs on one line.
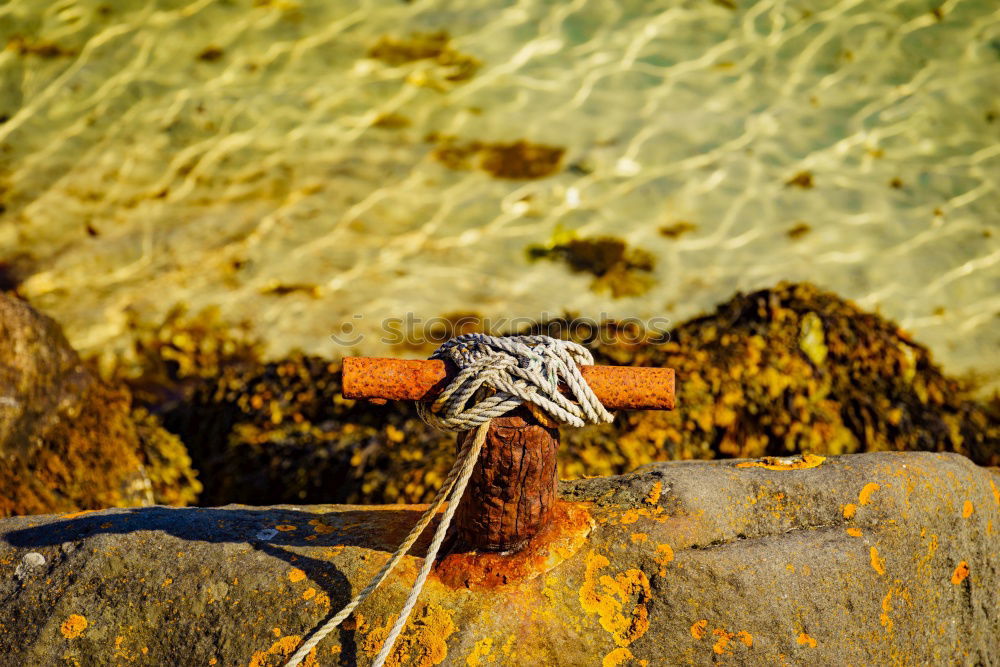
[[208, 152]]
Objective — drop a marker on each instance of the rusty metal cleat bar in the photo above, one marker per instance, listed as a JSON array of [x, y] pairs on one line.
[[618, 387]]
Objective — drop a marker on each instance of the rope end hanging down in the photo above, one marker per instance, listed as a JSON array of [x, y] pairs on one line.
[[513, 371]]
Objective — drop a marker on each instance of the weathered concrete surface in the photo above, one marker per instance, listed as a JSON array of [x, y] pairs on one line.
[[869, 559]]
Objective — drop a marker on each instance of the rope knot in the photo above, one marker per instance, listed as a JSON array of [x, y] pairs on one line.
[[497, 374]]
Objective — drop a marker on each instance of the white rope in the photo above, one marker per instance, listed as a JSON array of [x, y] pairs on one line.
[[521, 369], [442, 528], [464, 465], [516, 370]]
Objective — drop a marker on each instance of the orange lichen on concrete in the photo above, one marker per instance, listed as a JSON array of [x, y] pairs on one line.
[[967, 509], [854, 532], [785, 463], [73, 626], [960, 573], [932, 545], [74, 515], [422, 643], [619, 601], [638, 538], [849, 510], [723, 640], [283, 648], [878, 563], [865, 496], [630, 516], [886, 608], [664, 555], [295, 574], [619, 656], [565, 533], [481, 649], [745, 637], [996, 492], [654, 494], [286, 527], [698, 628], [309, 593], [806, 640]]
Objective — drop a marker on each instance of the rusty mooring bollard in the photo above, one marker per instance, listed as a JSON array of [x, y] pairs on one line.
[[513, 486]]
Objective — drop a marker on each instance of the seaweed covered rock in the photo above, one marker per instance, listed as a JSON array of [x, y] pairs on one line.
[[775, 372], [884, 558], [67, 439], [282, 432], [785, 370]]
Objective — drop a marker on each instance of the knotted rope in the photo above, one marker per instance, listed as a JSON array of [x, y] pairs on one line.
[[496, 375]]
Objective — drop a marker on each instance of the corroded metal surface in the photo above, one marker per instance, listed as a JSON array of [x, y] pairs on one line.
[[618, 387], [513, 487]]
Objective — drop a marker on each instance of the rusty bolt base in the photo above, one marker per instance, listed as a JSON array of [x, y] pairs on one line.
[[513, 487], [566, 531]]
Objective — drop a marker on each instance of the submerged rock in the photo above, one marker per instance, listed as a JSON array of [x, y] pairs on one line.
[[68, 440], [866, 559]]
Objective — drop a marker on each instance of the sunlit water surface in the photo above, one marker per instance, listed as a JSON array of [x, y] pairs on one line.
[[156, 153]]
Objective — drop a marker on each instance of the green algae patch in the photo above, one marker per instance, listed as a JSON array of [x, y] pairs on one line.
[[798, 230], [391, 121], [210, 54], [521, 160], [617, 268], [677, 229], [432, 46], [803, 179], [24, 46], [515, 160]]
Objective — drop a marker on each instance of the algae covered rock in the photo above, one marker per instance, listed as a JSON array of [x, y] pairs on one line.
[[281, 431], [785, 370], [775, 372], [67, 439], [867, 559], [275, 431]]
